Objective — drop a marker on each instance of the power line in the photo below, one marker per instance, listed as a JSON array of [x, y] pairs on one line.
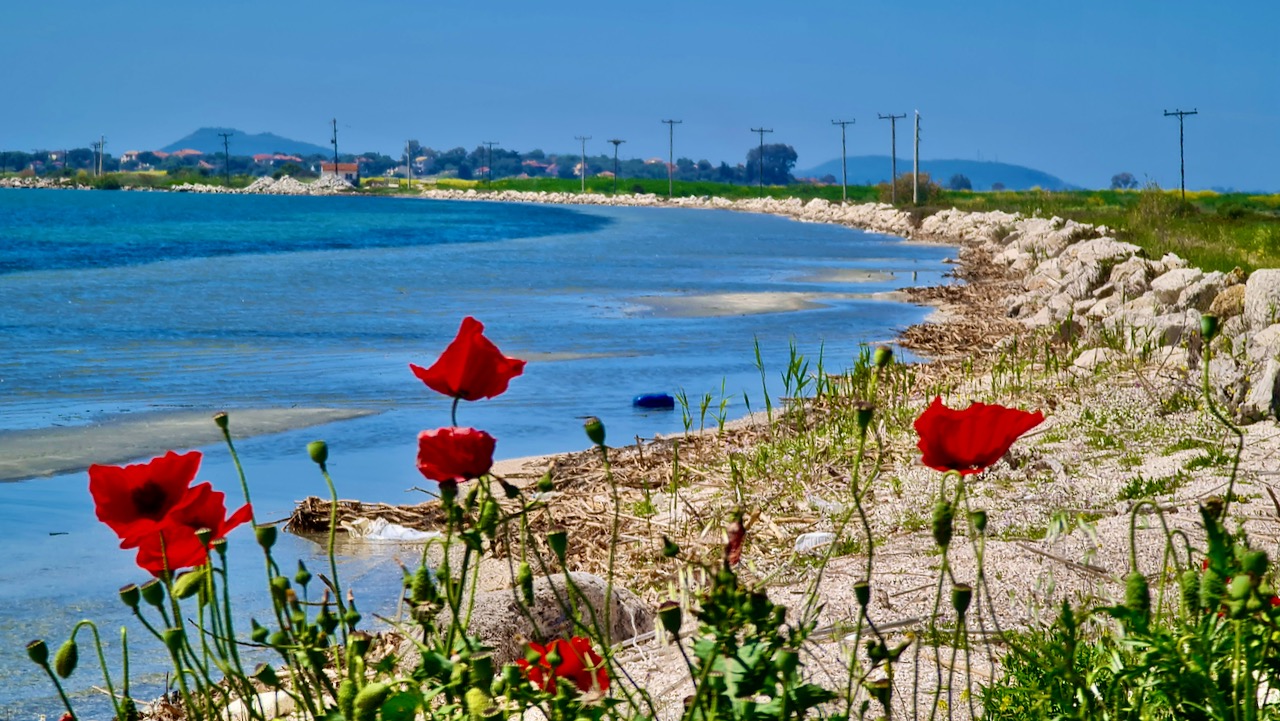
[[671, 154], [584, 139], [616, 142], [1182, 163], [762, 131], [488, 163], [893, 162], [226, 156], [844, 163]]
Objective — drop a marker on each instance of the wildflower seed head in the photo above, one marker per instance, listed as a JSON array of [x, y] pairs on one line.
[[961, 597], [257, 632], [863, 413], [559, 542], [303, 576], [862, 592], [173, 639], [266, 536], [978, 519], [882, 356], [152, 592], [267, 675], [38, 652], [221, 419], [1208, 327], [669, 548], [594, 429], [672, 617], [130, 596]]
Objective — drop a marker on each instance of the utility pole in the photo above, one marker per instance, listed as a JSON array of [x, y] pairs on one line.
[[844, 163], [226, 156], [762, 131], [488, 163], [102, 153], [616, 142], [1182, 163], [893, 162], [915, 166], [584, 139], [671, 154], [335, 148]]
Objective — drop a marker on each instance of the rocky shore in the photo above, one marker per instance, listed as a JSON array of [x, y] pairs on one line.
[[285, 185]]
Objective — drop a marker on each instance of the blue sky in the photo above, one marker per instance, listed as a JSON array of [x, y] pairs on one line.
[[1073, 88]]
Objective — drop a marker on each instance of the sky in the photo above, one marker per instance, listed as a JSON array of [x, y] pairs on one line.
[[1077, 89]]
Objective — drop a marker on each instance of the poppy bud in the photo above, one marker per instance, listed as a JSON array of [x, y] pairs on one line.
[[347, 698], [862, 592], [303, 576], [554, 659], [369, 700], [1213, 507], [424, 587], [1189, 590], [152, 592], [508, 490], [594, 429], [188, 584], [671, 616], [864, 413], [545, 484], [511, 674], [1137, 594], [278, 640], [943, 515], [882, 356], [319, 452], [978, 519], [266, 674], [353, 616], [68, 656], [524, 579], [481, 670], [1208, 327], [881, 690], [1239, 588], [38, 652], [266, 536], [476, 702], [532, 655], [257, 632], [1212, 588], [487, 522], [559, 543], [130, 595], [221, 419], [173, 639], [669, 548], [961, 596]]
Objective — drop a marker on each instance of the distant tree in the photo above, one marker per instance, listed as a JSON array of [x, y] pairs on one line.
[[1123, 181], [464, 171], [959, 182], [905, 187], [566, 167], [997, 186], [828, 179], [779, 159], [704, 166]]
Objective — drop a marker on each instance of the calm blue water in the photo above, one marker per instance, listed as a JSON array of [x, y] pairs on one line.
[[115, 303]]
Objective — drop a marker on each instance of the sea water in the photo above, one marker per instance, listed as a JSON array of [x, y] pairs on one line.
[[140, 304]]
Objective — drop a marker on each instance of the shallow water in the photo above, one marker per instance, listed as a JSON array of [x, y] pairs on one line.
[[606, 303]]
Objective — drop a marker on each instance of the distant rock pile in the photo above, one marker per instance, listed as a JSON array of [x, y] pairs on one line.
[[285, 185], [44, 183]]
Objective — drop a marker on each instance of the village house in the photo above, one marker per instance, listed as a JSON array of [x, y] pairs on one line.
[[349, 172]]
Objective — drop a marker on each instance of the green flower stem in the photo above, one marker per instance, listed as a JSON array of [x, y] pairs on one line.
[[102, 662], [453, 411], [613, 542], [124, 664], [244, 481], [66, 702], [333, 560]]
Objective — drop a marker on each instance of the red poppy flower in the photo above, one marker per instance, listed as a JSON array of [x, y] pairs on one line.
[[135, 500], [453, 455], [970, 440], [471, 367], [175, 544], [578, 663]]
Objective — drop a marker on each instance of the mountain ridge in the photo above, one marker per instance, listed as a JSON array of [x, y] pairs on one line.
[[208, 140]]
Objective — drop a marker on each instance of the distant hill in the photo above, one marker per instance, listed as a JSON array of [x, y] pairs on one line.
[[873, 169], [207, 140]]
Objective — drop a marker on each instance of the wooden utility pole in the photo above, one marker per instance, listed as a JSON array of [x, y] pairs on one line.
[[844, 163], [893, 158], [488, 163], [408, 163], [616, 142], [671, 154], [226, 157], [584, 139], [915, 165], [1182, 163], [335, 148], [762, 131]]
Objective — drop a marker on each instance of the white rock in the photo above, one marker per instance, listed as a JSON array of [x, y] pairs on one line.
[[1263, 397], [1262, 298], [1264, 345], [1168, 287]]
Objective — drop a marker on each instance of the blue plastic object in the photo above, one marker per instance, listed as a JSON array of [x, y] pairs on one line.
[[654, 400]]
